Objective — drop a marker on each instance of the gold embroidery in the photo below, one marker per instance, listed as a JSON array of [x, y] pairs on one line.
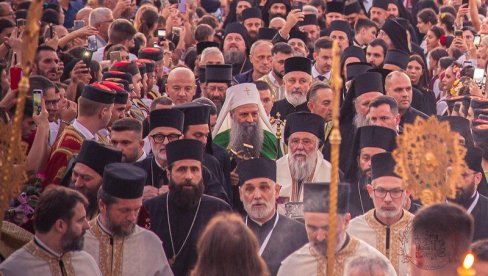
[[396, 231], [340, 258], [51, 260], [110, 256]]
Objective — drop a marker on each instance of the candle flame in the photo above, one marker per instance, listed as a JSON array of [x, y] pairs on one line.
[[468, 261]]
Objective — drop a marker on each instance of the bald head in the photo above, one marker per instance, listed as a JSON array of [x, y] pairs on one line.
[[180, 86], [399, 86]]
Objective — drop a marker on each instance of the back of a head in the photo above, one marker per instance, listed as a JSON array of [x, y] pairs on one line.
[[57, 203], [480, 250], [368, 266], [225, 235], [448, 228], [120, 31]]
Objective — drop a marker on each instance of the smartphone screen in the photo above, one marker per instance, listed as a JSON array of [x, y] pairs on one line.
[[87, 56], [36, 98], [298, 5], [115, 56], [92, 43], [15, 75], [78, 24], [477, 40], [182, 6], [176, 31], [458, 33], [478, 76]]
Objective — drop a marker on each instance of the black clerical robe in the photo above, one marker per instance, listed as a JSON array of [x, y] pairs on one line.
[[288, 236], [359, 202], [424, 101], [411, 115], [285, 108], [181, 221], [156, 176], [479, 213], [224, 159]]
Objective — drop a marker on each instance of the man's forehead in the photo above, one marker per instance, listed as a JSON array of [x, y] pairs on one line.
[[186, 163], [234, 36], [165, 130], [84, 169], [258, 181], [246, 108], [302, 135]]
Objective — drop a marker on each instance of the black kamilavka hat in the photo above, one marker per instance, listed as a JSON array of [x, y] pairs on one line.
[[96, 155], [304, 122], [184, 149], [166, 118], [256, 168], [124, 180], [316, 198]]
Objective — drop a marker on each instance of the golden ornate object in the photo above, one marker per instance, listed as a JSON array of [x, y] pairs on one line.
[[335, 142], [430, 160], [12, 152], [242, 154], [279, 123]]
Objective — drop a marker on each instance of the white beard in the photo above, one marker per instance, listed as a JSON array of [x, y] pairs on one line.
[[294, 99], [360, 120], [301, 170], [258, 212]]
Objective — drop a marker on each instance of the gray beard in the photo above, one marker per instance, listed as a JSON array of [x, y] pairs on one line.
[[258, 213], [302, 170], [245, 133], [360, 120], [295, 100], [234, 57]]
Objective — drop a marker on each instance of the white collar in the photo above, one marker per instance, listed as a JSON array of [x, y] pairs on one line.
[[47, 248], [84, 131], [144, 156], [273, 79], [104, 229], [316, 73]]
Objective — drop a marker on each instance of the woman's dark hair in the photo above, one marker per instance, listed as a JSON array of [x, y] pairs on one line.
[[438, 53], [224, 235], [448, 20], [95, 67], [437, 31], [424, 78], [149, 19], [448, 9], [50, 16]]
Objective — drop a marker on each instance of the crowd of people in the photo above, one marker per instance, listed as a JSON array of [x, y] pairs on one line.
[[193, 137]]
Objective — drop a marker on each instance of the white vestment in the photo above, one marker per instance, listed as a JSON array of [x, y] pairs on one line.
[[305, 261], [367, 228], [141, 253], [33, 260], [283, 174]]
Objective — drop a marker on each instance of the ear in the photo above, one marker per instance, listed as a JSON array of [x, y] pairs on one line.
[[141, 143], [369, 187], [277, 190], [398, 118], [240, 193], [477, 178], [60, 226], [314, 55], [408, 192], [310, 106], [102, 207]]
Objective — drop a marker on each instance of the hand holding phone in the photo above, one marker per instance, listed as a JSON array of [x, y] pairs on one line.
[[115, 56], [87, 57], [182, 6], [36, 99]]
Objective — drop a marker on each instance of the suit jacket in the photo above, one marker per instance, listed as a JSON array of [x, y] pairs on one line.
[[245, 77]]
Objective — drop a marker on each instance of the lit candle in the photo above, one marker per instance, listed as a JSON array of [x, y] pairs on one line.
[[465, 269]]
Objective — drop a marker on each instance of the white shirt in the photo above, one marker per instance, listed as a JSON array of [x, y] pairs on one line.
[[84, 131], [367, 5], [316, 74], [143, 156], [53, 131]]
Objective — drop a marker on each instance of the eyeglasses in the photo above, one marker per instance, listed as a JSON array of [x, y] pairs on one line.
[[381, 193], [159, 138]]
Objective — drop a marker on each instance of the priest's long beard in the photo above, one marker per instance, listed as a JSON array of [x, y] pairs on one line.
[[295, 99], [246, 133], [70, 241], [123, 229], [234, 57], [360, 120], [301, 169], [187, 194]]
